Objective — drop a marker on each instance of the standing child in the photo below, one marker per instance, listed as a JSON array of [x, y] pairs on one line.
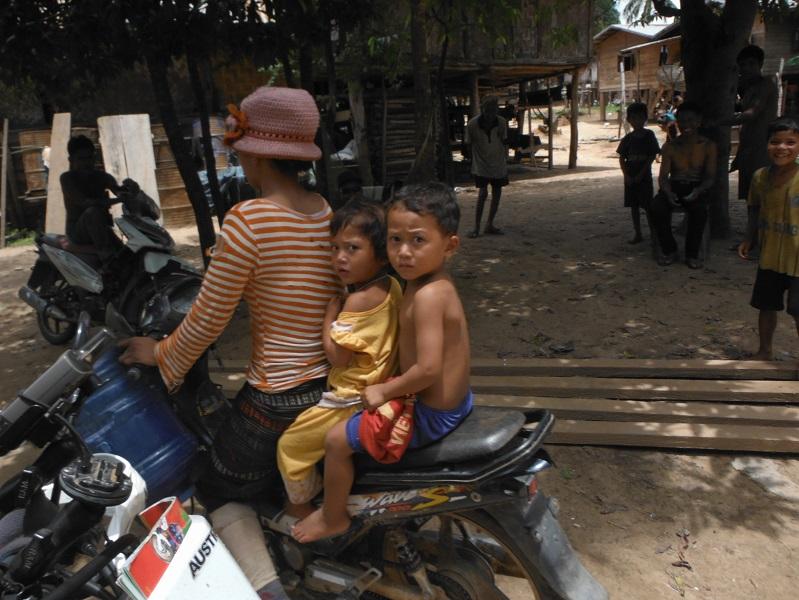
[[433, 347], [637, 150], [774, 209], [359, 338]]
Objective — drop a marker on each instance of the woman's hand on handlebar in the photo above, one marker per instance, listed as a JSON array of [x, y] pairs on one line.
[[139, 351]]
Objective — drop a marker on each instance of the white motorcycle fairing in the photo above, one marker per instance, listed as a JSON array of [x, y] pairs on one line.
[[76, 272]]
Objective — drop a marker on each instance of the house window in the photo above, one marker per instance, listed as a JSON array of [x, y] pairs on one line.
[[664, 55], [629, 62]]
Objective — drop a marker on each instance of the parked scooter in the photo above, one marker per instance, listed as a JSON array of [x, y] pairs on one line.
[[68, 278], [461, 519]]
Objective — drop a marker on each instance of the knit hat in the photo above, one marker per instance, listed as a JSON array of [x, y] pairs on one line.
[[275, 122]]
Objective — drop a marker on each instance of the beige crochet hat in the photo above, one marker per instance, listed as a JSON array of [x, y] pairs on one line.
[[275, 122]]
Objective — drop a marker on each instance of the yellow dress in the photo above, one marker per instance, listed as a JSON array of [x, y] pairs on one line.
[[372, 336]]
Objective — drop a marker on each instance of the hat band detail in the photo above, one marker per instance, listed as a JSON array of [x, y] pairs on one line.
[[283, 137]]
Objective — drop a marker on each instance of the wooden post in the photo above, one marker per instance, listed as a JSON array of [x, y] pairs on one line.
[[55, 213], [474, 98], [551, 128], [575, 114], [3, 180], [355, 92], [780, 89], [603, 106], [622, 96]]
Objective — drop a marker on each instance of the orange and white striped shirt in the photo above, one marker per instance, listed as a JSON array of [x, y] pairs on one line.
[[279, 261]]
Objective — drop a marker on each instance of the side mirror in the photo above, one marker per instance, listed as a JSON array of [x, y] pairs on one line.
[[82, 331]]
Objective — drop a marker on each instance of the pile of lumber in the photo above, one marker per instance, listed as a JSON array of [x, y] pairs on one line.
[[749, 406]]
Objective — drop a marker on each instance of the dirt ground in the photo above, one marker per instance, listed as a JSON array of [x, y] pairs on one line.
[[649, 524]]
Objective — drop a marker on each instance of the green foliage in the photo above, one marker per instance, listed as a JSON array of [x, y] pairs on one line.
[[20, 237], [605, 14]]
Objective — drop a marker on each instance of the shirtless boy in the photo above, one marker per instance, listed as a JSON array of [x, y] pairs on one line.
[[688, 171], [433, 346]]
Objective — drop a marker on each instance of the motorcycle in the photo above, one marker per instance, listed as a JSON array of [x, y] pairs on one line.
[[461, 519], [67, 278]]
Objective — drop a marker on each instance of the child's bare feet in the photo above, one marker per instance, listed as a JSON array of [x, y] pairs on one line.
[[299, 511], [762, 355], [318, 525]]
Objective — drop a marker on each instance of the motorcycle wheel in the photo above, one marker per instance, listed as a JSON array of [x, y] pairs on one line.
[[56, 331], [522, 581]]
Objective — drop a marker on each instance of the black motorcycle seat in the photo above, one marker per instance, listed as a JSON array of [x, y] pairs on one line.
[[484, 432]]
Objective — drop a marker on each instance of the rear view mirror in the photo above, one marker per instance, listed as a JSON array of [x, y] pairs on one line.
[[117, 323], [82, 331]]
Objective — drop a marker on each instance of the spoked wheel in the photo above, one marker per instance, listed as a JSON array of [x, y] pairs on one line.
[[56, 331], [479, 559]]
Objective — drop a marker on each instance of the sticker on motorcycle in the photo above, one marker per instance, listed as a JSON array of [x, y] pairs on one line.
[[406, 500]]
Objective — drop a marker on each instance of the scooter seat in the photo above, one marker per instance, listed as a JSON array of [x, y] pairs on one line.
[[483, 433]]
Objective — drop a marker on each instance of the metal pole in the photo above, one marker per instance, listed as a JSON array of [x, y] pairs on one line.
[[551, 128], [3, 181]]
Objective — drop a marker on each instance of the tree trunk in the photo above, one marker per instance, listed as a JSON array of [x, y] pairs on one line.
[[159, 77], [327, 185], [443, 147], [710, 44], [306, 68], [207, 142], [575, 115], [423, 165], [355, 92]]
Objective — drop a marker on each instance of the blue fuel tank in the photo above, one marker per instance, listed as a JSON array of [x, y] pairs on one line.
[[134, 420]]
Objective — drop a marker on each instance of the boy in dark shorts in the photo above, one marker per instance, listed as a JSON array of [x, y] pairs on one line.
[[433, 347], [774, 214], [637, 150]]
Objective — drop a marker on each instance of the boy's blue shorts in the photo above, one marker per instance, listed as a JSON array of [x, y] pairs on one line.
[[429, 424]]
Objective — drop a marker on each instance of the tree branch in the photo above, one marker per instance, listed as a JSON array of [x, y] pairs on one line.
[[665, 8]]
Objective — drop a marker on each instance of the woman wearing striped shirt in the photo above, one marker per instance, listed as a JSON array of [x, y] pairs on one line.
[[274, 252]]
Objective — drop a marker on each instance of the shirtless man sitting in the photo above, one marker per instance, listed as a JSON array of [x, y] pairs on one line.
[[688, 171]]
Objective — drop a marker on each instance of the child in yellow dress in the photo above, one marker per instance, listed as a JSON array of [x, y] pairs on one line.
[[360, 340]]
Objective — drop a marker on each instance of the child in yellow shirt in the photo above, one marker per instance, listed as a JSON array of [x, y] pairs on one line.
[[774, 214], [360, 341]]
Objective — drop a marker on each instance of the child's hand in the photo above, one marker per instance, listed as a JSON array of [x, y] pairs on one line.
[[692, 196], [673, 199], [744, 248], [373, 397], [334, 307]]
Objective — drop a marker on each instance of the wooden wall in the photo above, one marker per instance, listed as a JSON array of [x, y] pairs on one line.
[[777, 43], [607, 55], [644, 74]]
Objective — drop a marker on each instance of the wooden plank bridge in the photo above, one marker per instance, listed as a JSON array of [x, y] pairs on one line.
[[747, 406]]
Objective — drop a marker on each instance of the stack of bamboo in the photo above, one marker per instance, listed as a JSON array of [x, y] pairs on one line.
[[749, 406]]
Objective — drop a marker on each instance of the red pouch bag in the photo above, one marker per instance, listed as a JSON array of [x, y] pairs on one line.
[[386, 433]]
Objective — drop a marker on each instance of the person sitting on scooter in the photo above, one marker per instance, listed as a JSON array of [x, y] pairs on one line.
[[85, 189], [274, 252]]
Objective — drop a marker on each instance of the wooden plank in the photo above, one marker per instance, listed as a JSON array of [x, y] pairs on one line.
[[127, 144], [627, 368], [640, 389], [739, 438], [661, 411], [55, 213], [3, 183], [637, 368]]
